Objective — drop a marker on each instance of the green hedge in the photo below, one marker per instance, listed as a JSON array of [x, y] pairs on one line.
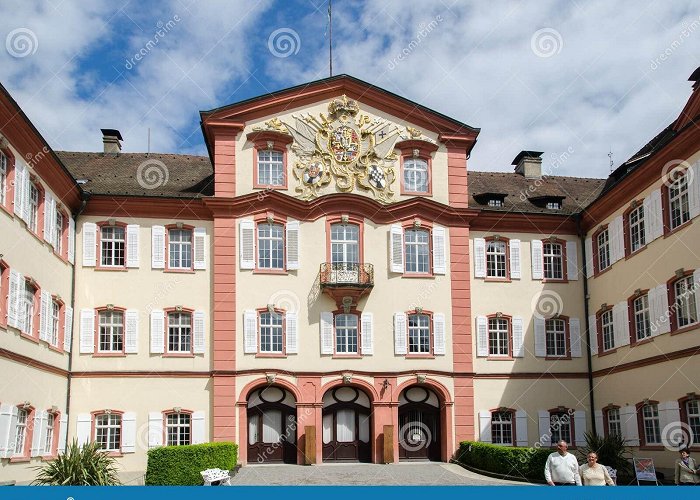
[[527, 463], [181, 465]]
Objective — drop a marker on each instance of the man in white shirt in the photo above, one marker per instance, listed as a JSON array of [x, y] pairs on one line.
[[561, 468]]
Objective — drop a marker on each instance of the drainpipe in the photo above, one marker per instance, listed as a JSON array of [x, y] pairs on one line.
[[85, 197], [582, 237]]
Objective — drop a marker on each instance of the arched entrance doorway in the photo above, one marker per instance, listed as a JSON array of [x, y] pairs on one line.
[[272, 428], [419, 424], [347, 432]]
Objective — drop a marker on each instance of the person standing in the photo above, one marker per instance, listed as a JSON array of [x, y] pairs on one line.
[[593, 473], [686, 470], [561, 468]]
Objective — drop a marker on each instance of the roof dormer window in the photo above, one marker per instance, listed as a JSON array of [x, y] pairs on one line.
[[554, 205], [495, 202]]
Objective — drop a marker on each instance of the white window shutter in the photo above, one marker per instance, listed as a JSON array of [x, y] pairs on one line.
[[657, 213], [87, 331], [199, 246], [26, 197], [593, 334], [199, 332], [39, 433], [518, 334], [589, 257], [620, 237], [514, 259], [19, 189], [648, 220], [439, 251], [62, 433], [694, 190], [198, 427], [157, 331], [479, 258], [628, 423], [396, 248], [13, 313], [48, 219], [536, 249], [71, 240], [664, 323], [439, 334], [246, 228], [292, 324], [540, 338], [598, 415], [326, 331], [696, 278], [158, 247], [575, 337], [132, 245], [45, 319], [83, 428], [580, 427], [521, 428], [367, 322], [400, 333], [8, 425], [543, 421], [155, 429], [68, 329], [485, 426], [250, 331], [622, 337], [131, 332], [129, 432], [482, 336], [669, 415], [89, 244], [292, 230], [571, 260]]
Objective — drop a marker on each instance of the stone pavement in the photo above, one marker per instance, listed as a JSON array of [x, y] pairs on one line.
[[402, 474]]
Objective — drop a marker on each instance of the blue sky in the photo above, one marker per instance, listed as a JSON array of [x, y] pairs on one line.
[[559, 77]]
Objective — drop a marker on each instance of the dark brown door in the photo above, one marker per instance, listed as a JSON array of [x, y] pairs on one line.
[[419, 432], [346, 433], [271, 434]]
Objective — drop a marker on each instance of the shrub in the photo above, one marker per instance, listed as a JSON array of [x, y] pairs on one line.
[[86, 465], [526, 463], [181, 465], [611, 450]]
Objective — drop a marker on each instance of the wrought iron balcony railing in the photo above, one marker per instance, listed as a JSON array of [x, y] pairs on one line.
[[347, 274]]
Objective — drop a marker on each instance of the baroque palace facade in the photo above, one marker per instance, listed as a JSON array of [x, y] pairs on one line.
[[334, 283]]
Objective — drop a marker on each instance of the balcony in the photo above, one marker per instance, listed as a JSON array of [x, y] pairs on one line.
[[346, 283]]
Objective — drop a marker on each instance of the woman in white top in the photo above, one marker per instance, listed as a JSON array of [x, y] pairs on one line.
[[594, 474]]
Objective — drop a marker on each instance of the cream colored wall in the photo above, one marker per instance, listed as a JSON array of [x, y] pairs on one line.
[[154, 394], [143, 289], [299, 289], [245, 151], [43, 390], [520, 298]]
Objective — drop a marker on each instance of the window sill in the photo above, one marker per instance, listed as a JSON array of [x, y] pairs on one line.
[[270, 355], [110, 269], [418, 275], [55, 348], [684, 329], [417, 193], [179, 271], [177, 355], [267, 187], [605, 353], [7, 210], [598, 273], [551, 280], [497, 280], [38, 238], [109, 355], [278, 272], [48, 458], [670, 232], [115, 454], [17, 460], [558, 358], [420, 356], [654, 447], [347, 356], [629, 255], [29, 337], [500, 358], [647, 340]]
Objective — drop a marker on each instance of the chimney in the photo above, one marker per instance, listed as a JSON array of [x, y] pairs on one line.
[[112, 140], [529, 164]]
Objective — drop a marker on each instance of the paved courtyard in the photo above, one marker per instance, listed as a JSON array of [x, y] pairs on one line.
[[402, 474]]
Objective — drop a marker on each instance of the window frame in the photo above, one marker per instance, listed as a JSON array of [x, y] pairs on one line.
[[93, 432], [567, 338], [506, 243], [35, 185], [672, 300], [60, 323], [106, 224], [25, 455], [641, 419], [683, 403], [564, 275], [601, 336], [168, 266], [279, 142], [4, 178], [272, 354], [572, 432], [627, 226], [416, 149], [114, 353], [4, 292], [168, 413], [166, 348], [53, 451], [349, 220], [596, 250], [62, 238], [358, 353], [33, 332], [273, 219], [504, 411], [667, 202], [509, 338], [606, 419], [428, 228], [632, 318], [431, 335], [9, 182]]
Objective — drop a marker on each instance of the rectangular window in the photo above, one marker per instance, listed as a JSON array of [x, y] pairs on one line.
[[560, 427], [270, 168], [58, 243], [678, 202], [112, 243], [498, 337], [271, 246], [3, 178], [178, 429], [554, 205], [50, 424], [418, 334], [606, 322], [553, 256], [111, 331], [179, 332], [642, 321], [27, 307], [636, 224], [33, 208], [495, 202], [417, 243], [180, 251], [345, 244], [603, 250], [415, 175], [496, 259], [693, 411], [651, 424], [346, 333], [108, 431], [555, 336], [614, 423], [21, 432], [686, 307], [271, 332], [502, 427], [55, 322]]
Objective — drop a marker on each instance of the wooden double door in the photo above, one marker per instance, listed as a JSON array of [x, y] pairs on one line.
[[346, 433], [419, 432], [272, 434]]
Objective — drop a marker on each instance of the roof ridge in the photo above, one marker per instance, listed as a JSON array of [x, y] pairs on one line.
[[544, 176]]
